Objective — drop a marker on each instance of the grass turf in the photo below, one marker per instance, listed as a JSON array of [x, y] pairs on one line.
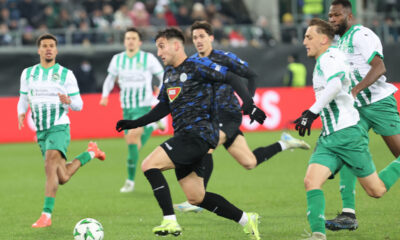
[[274, 190]]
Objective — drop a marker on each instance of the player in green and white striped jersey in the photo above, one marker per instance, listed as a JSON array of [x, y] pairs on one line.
[[373, 95], [50, 90], [343, 141], [134, 70]]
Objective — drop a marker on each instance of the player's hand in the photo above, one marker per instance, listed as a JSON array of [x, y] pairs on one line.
[[64, 99], [126, 124], [255, 113], [304, 122], [104, 101], [21, 119]]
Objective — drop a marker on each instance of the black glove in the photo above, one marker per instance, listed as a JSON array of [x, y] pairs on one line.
[[255, 113], [304, 122], [126, 124]]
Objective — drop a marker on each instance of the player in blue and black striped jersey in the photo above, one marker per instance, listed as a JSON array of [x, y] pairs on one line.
[[187, 94], [228, 109]]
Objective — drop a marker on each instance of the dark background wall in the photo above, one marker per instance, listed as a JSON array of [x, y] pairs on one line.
[[269, 63]]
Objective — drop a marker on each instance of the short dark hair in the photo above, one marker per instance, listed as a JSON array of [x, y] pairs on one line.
[[170, 33], [323, 27], [202, 25], [344, 3], [133, 29], [45, 36]]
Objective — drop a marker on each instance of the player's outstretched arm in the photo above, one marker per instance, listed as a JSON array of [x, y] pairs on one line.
[[108, 86], [159, 111]]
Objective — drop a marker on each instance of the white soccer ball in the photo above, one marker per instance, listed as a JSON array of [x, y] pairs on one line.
[[88, 229]]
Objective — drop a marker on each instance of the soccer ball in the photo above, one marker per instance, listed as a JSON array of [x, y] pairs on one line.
[[88, 229]]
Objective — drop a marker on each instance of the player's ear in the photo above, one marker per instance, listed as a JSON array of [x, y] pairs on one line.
[[212, 38]]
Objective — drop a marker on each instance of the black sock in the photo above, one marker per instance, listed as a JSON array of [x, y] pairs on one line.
[[209, 165], [220, 206], [160, 190], [264, 153]]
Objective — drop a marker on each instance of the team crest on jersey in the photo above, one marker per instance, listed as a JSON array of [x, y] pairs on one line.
[[173, 93], [55, 77], [183, 77]]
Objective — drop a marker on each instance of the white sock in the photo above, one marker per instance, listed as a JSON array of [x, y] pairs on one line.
[[283, 145], [91, 154], [349, 210], [243, 220], [47, 214], [170, 217]]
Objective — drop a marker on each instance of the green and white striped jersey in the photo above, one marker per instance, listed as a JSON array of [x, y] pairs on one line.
[[42, 85], [340, 112], [135, 77], [361, 45]]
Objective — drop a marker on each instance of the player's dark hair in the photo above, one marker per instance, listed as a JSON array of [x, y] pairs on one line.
[[170, 33], [344, 3], [133, 29], [45, 36], [202, 25], [323, 27]]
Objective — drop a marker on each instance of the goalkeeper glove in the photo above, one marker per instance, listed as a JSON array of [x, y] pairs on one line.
[[304, 122], [255, 113], [126, 124]]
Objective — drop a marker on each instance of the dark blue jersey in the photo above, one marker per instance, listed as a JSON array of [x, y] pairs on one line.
[[189, 93], [225, 98]]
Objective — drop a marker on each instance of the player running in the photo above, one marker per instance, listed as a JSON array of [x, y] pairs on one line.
[[50, 90], [134, 70], [373, 96], [188, 95], [343, 142], [229, 111]]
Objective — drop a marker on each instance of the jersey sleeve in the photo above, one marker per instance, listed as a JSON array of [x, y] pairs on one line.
[[71, 84], [237, 65], [113, 66], [23, 89], [162, 96], [332, 67], [156, 68], [368, 44], [209, 70]]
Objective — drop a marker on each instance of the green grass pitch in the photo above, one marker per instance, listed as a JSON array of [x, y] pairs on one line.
[[274, 190]]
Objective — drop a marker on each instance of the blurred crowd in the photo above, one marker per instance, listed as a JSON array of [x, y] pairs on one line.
[[96, 21]]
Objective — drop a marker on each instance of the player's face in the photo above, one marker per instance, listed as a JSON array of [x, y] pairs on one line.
[[202, 41], [312, 42], [339, 18], [165, 50], [47, 50], [132, 41]]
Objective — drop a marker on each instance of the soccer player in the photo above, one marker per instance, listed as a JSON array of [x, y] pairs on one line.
[[229, 111], [343, 142], [187, 94], [50, 90], [134, 70], [373, 95]]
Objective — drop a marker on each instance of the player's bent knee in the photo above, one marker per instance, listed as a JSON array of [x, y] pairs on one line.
[[376, 193], [309, 184]]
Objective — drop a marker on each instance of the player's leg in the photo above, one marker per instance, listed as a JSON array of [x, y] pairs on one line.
[[393, 143], [133, 140], [66, 171], [152, 166], [193, 187]]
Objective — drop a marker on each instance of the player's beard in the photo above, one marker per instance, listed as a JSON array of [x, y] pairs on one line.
[[342, 28], [49, 60]]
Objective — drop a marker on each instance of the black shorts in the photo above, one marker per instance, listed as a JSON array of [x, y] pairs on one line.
[[187, 152], [230, 123]]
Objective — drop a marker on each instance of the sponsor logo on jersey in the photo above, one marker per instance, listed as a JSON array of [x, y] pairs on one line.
[[173, 93]]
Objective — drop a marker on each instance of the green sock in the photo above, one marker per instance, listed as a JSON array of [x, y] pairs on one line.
[[146, 134], [348, 188], [84, 158], [390, 173], [133, 157], [316, 210], [48, 204]]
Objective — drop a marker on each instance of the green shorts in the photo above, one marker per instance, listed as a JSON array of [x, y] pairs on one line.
[[134, 113], [382, 117], [55, 138], [348, 147]]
